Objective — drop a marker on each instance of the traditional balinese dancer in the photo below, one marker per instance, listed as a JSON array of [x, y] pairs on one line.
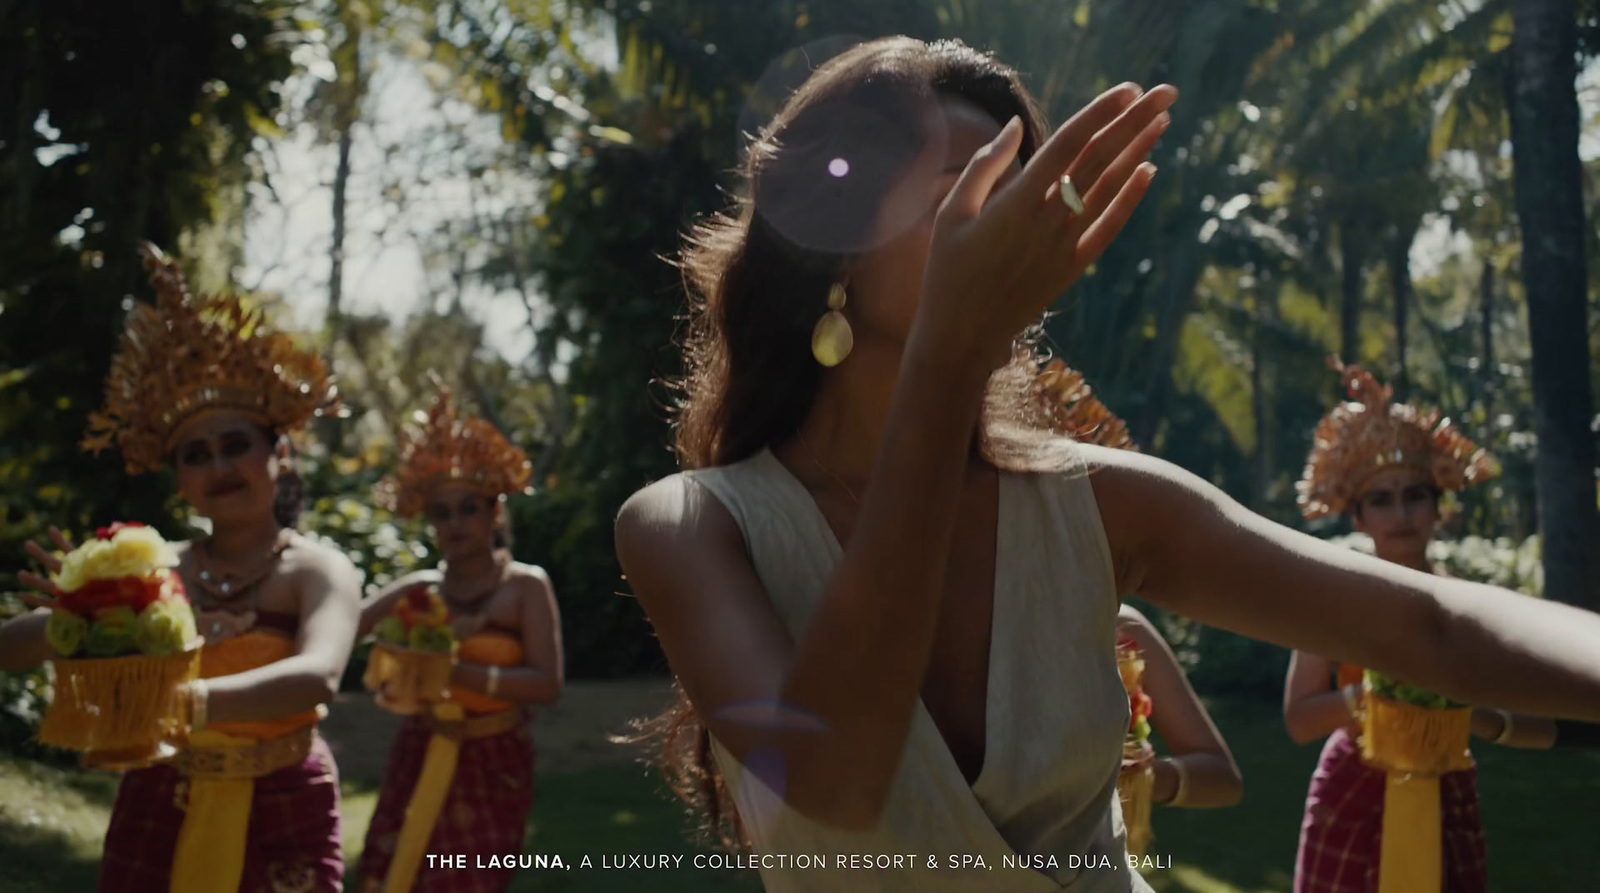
[[457, 471], [1385, 464], [251, 803]]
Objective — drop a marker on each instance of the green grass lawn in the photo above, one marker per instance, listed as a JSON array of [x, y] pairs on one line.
[[1538, 807]]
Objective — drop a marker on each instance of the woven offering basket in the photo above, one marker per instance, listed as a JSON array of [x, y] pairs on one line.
[[1403, 738], [1134, 787], [121, 712], [407, 681]]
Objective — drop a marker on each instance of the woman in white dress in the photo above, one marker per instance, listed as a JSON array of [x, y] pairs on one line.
[[891, 596]]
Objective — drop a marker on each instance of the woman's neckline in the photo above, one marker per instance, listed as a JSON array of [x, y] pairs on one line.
[[1001, 559]]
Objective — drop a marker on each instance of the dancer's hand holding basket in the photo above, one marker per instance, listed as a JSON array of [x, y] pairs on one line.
[[411, 663], [125, 649]]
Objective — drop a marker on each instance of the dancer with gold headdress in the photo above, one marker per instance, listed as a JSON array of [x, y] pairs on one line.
[[1367, 829], [251, 802], [460, 777]]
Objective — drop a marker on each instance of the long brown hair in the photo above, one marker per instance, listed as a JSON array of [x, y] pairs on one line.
[[758, 277]]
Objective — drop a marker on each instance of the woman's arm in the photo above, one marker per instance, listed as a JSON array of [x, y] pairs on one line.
[[379, 606], [22, 642], [1210, 775], [330, 593], [834, 707], [1183, 544], [543, 674], [1312, 708]]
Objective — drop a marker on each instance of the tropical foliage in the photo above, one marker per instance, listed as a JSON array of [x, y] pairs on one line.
[[1338, 179]]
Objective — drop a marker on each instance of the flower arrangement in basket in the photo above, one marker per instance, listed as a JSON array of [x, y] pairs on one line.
[[125, 646], [1135, 784], [1411, 730], [411, 662]]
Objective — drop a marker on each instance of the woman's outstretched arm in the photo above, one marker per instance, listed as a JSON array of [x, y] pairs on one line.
[[1186, 546], [1209, 774]]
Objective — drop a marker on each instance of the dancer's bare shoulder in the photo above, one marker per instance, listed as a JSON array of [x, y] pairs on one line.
[[672, 517], [684, 558]]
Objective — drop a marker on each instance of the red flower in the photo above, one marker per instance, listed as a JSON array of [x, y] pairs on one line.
[[1141, 704], [172, 588], [134, 592], [421, 605], [106, 533]]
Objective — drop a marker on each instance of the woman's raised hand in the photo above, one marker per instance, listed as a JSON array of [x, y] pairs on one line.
[[1002, 252], [51, 565]]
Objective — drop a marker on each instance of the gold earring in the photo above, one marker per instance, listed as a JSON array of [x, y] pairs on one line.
[[832, 339]]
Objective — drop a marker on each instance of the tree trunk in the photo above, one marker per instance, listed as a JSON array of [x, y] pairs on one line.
[[1486, 370], [1400, 284], [1351, 258], [347, 109], [1549, 192], [341, 184], [1266, 303]]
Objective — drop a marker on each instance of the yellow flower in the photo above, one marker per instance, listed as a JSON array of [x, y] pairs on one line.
[[113, 633], [65, 631], [130, 552], [165, 627], [75, 565]]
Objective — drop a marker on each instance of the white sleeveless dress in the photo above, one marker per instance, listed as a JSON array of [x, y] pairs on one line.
[[1056, 713]]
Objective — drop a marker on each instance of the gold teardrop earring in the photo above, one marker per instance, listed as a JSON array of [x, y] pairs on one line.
[[832, 340]]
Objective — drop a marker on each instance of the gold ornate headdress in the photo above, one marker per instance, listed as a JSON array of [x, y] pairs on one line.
[[1070, 408], [184, 355], [1370, 433], [448, 449]]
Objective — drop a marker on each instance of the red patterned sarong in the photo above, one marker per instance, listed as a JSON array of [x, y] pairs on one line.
[[295, 843], [485, 814], [1341, 835]]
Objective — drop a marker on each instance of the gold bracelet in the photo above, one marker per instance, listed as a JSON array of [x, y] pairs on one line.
[[1352, 700], [1506, 729], [1181, 792], [199, 703], [494, 680]]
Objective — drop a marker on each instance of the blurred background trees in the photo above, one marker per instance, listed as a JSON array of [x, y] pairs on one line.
[[490, 190]]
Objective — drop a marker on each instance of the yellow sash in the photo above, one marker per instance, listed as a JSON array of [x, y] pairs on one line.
[[1412, 856], [439, 763], [216, 824], [427, 799]]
